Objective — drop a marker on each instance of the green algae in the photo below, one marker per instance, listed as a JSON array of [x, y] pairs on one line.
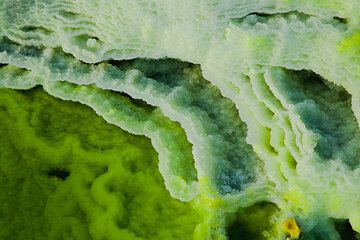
[[113, 187]]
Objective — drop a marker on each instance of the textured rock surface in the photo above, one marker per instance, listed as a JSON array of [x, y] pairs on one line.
[[250, 112]]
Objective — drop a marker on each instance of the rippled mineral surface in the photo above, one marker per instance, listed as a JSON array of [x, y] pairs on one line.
[[168, 119]]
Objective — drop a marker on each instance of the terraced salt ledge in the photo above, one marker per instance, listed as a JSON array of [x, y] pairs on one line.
[[251, 107]]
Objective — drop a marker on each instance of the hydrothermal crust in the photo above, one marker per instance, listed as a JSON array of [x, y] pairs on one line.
[[179, 120]]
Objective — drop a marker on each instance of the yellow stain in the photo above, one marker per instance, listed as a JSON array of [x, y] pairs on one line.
[[351, 43], [291, 228], [208, 198]]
